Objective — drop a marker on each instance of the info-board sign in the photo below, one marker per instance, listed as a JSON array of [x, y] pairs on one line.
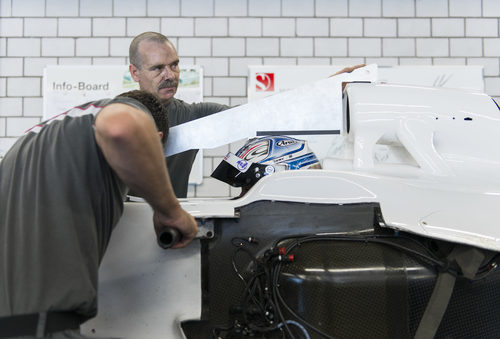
[[66, 86]]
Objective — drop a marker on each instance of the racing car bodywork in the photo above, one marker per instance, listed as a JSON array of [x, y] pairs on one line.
[[398, 237]]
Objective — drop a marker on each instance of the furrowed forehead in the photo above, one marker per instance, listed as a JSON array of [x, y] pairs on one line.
[[152, 53]]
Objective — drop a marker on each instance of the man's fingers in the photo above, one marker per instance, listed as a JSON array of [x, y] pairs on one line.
[[348, 69]]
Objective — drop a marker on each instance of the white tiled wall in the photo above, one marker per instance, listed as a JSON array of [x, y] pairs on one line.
[[225, 36]]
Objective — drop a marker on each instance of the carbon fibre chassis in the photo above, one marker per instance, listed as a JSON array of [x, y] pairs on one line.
[[347, 289]]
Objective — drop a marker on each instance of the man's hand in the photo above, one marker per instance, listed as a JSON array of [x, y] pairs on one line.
[[348, 69], [177, 219]]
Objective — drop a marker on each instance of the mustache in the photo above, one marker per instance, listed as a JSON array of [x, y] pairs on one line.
[[168, 83]]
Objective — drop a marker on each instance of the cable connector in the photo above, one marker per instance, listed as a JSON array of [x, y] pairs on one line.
[[252, 240], [286, 258], [274, 252]]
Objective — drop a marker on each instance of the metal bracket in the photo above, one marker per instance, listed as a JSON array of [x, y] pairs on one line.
[[205, 228]]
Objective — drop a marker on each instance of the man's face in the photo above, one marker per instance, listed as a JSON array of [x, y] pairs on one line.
[[159, 69]]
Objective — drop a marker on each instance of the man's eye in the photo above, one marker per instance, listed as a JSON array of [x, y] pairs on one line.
[[174, 66]]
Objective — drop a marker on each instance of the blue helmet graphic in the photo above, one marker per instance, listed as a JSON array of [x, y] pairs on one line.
[[263, 156]]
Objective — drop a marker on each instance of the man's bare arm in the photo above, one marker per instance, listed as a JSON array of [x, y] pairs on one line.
[[131, 145]]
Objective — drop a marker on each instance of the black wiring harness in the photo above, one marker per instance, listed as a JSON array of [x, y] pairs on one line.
[[264, 313], [260, 314]]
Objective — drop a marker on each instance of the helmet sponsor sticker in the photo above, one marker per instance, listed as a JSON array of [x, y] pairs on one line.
[[286, 142], [240, 164]]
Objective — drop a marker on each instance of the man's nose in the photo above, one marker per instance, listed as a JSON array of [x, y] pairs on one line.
[[167, 73]]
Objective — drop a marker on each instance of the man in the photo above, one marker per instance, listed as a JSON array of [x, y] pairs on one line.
[[62, 187], [154, 64]]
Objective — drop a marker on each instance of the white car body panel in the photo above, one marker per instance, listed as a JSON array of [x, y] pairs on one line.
[[145, 291]]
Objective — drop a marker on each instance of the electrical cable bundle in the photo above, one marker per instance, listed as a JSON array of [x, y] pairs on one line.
[[260, 314]]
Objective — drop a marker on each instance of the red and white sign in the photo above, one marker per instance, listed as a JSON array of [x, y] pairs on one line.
[[264, 82]]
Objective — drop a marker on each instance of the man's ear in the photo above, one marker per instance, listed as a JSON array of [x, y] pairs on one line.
[[160, 134], [133, 72]]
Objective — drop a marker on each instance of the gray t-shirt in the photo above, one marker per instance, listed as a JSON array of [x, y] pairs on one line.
[[59, 203], [179, 165]]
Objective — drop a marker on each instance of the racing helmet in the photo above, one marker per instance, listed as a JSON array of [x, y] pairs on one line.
[[263, 156]]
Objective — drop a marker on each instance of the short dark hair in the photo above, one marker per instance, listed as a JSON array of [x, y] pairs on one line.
[[133, 51], [155, 107]]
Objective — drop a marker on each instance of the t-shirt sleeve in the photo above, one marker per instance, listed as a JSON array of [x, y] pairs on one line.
[[207, 108], [180, 112]]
